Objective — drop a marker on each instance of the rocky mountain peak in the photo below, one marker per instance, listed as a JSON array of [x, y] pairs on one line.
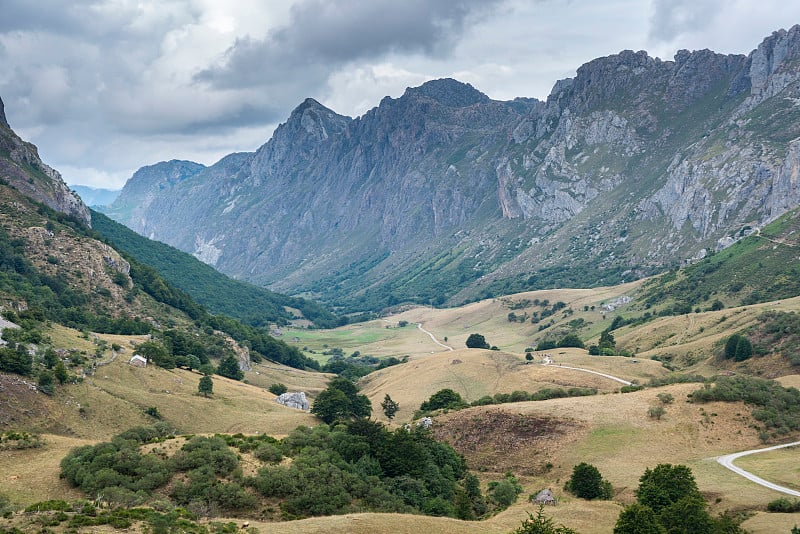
[[448, 92], [312, 121], [3, 121], [22, 168], [774, 55]]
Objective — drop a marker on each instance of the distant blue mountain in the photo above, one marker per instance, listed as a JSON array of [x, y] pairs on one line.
[[96, 197]]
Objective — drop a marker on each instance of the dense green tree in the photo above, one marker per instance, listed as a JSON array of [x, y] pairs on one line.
[[331, 405], [229, 367], [60, 372], [206, 386], [341, 400], [477, 341], [586, 482], [664, 485], [390, 407], [50, 358], [607, 343], [687, 515], [571, 340], [444, 398], [46, 382], [156, 353], [738, 348], [638, 519], [744, 349], [16, 360]]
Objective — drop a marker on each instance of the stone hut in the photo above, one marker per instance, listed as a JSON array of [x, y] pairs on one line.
[[545, 497], [138, 361]]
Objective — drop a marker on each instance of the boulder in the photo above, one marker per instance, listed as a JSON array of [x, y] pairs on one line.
[[296, 400]]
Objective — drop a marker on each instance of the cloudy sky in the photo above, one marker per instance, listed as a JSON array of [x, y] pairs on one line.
[[104, 87]]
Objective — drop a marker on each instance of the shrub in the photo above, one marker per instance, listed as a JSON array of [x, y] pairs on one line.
[[504, 492], [278, 389], [656, 412], [665, 398], [477, 341], [541, 524], [784, 506], [587, 483]]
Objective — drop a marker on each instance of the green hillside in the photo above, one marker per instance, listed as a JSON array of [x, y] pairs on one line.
[[252, 304], [761, 267]]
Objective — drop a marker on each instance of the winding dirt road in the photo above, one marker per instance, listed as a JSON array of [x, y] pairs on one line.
[[621, 380], [448, 347], [727, 461]]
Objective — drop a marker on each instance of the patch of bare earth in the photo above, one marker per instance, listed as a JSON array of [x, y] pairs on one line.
[[498, 440], [20, 402]]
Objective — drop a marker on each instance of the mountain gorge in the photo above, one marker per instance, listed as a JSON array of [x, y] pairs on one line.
[[445, 195]]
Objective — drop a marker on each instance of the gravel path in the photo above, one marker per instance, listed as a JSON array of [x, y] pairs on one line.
[[448, 347], [621, 380], [727, 461]]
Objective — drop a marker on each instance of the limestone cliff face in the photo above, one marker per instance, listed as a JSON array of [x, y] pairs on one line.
[[633, 164], [21, 167]]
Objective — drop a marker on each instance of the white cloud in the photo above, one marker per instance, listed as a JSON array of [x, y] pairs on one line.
[[105, 87]]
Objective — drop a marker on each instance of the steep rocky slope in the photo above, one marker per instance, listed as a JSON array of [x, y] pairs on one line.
[[633, 165], [21, 167]]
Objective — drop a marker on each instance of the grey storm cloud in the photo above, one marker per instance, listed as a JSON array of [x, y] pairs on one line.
[[322, 35]]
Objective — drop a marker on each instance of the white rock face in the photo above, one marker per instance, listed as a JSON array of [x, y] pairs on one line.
[[296, 400]]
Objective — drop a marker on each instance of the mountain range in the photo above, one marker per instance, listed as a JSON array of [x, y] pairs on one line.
[[444, 195]]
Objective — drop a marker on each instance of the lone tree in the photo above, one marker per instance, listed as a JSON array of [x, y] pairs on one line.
[[477, 341], [587, 483], [206, 386], [390, 407]]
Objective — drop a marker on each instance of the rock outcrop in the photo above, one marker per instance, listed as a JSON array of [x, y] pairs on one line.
[[295, 400], [22, 168], [632, 165]]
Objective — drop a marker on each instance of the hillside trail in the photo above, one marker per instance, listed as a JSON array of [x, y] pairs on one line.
[[620, 380], [433, 338], [727, 461], [448, 347]]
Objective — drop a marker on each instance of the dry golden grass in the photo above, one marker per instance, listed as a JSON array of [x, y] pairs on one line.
[[234, 406], [265, 374], [31, 475], [474, 373], [610, 430], [614, 433], [766, 523]]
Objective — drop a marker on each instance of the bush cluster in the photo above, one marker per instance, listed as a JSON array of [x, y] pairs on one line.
[[777, 407], [354, 466], [447, 399]]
